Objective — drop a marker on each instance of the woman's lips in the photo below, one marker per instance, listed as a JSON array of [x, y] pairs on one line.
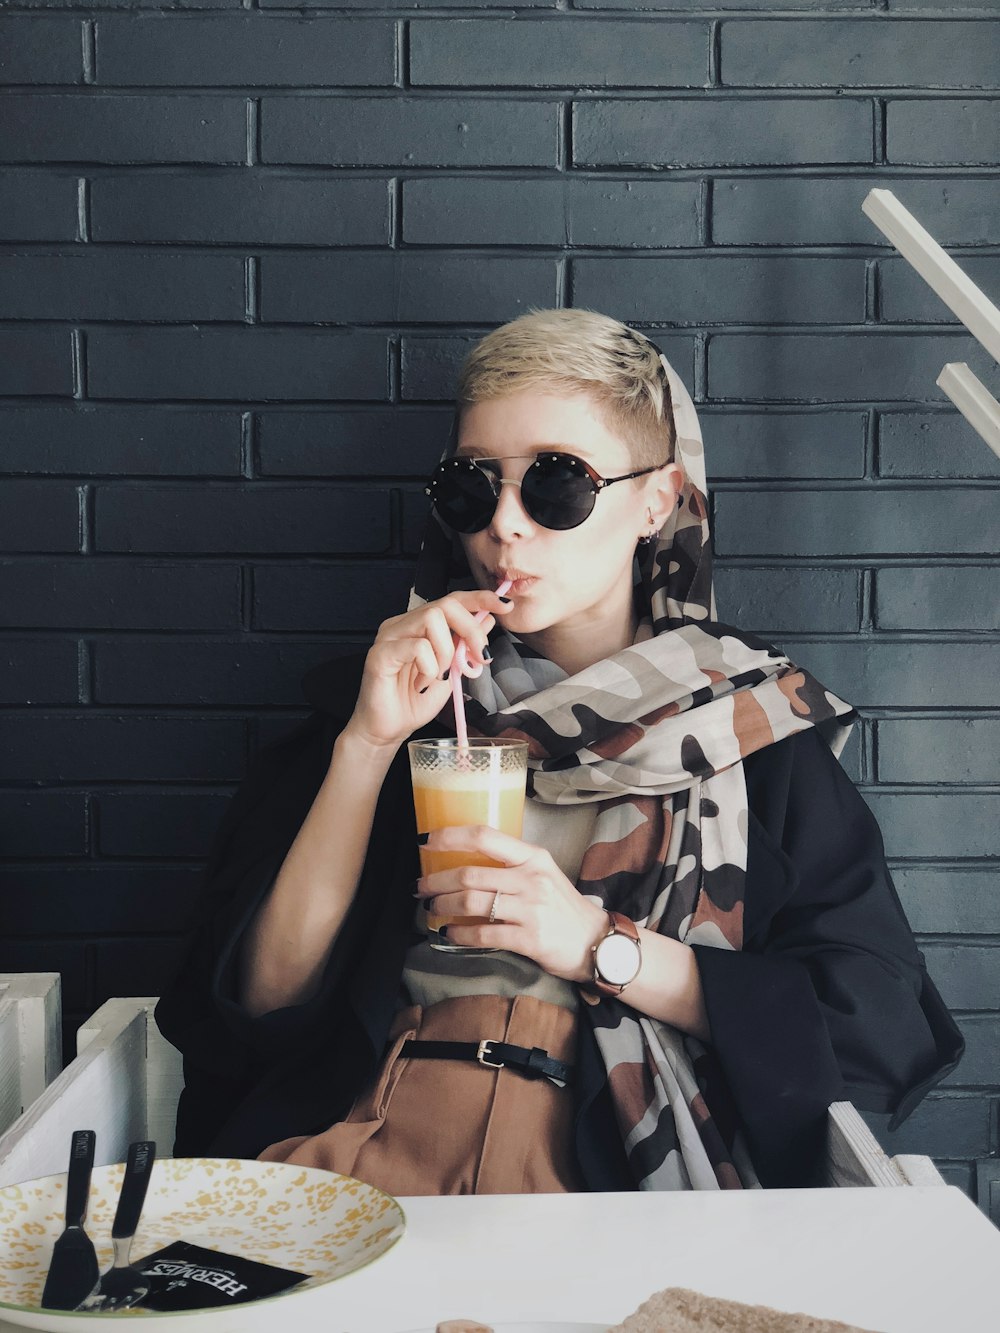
[[519, 583]]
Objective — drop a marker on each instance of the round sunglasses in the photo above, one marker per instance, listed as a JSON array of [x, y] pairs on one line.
[[558, 490]]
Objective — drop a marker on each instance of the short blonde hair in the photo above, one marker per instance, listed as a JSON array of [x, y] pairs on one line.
[[579, 351]]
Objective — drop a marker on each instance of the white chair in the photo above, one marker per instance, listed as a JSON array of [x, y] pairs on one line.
[[30, 1039], [125, 1081], [854, 1155], [124, 1084]]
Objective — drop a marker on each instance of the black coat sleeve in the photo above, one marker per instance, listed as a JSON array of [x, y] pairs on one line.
[[250, 1081], [829, 999]]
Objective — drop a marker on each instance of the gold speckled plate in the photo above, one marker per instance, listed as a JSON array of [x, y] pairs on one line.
[[295, 1217]]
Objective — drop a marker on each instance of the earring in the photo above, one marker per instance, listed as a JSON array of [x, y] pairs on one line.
[[647, 538]]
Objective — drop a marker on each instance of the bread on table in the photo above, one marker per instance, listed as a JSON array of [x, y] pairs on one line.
[[677, 1310]]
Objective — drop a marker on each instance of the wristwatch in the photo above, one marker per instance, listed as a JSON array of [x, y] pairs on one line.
[[617, 959]]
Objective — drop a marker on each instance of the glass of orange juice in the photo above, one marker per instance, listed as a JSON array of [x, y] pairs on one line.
[[481, 782]]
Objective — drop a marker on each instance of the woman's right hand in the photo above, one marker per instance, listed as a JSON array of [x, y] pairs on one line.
[[402, 688]]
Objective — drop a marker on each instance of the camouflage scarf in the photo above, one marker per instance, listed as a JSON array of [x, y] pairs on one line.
[[656, 736]]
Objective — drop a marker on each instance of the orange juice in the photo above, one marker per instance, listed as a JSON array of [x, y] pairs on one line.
[[473, 786]]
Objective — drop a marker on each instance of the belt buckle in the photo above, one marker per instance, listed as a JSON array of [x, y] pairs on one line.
[[482, 1053]]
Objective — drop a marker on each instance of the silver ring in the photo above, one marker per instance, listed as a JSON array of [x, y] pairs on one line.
[[493, 909]]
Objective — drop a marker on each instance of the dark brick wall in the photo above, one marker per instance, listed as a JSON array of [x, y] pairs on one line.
[[245, 246]]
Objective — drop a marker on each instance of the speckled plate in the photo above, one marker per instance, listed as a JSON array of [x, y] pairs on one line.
[[296, 1217]]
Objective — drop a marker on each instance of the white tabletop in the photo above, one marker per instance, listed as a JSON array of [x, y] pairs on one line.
[[891, 1260]]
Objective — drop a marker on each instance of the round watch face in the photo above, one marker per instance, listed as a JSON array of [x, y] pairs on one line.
[[617, 959]]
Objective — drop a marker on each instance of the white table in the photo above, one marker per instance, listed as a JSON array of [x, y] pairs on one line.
[[891, 1260], [907, 1260]]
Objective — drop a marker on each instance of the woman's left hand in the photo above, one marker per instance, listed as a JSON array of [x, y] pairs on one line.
[[540, 913]]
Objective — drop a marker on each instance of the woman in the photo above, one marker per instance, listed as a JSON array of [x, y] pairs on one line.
[[685, 802]]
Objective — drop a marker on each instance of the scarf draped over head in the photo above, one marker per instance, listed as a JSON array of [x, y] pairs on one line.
[[655, 736]]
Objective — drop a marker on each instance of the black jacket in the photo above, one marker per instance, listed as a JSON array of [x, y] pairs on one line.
[[828, 999]]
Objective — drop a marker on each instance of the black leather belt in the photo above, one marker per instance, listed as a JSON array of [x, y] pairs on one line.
[[532, 1061]]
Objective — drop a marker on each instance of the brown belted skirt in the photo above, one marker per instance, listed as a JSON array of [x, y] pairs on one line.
[[457, 1126]]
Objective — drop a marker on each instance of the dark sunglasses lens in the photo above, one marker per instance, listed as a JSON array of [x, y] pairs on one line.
[[462, 495], [557, 492]]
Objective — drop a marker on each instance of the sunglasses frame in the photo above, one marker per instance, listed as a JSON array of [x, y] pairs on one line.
[[598, 483]]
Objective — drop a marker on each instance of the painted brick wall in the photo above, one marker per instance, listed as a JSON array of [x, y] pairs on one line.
[[244, 248]]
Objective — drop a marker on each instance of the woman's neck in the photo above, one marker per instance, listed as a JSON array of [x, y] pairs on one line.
[[577, 645]]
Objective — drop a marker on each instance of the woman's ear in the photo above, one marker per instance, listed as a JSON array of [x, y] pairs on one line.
[[665, 489]]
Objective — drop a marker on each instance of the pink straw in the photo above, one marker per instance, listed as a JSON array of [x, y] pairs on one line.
[[460, 667]]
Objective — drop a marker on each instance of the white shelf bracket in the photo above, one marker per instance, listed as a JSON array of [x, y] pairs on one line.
[[962, 297], [975, 402]]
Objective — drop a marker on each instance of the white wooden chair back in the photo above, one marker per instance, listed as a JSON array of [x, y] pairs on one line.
[[30, 1039], [123, 1084], [854, 1155], [126, 1079]]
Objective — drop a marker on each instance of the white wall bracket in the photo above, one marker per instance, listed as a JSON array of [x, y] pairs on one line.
[[962, 297], [975, 402]]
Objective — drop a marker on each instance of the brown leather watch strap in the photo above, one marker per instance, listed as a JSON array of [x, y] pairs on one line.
[[623, 925], [597, 987]]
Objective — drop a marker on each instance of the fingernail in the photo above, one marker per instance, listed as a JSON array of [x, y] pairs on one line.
[[443, 933], [426, 904], [424, 690], [422, 839], [508, 600], [487, 655], [445, 676]]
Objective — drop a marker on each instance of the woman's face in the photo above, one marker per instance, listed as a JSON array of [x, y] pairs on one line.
[[561, 578]]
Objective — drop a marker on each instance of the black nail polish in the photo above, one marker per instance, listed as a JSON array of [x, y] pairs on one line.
[[422, 839], [487, 655], [443, 933], [426, 904], [424, 690], [508, 600], [445, 676]]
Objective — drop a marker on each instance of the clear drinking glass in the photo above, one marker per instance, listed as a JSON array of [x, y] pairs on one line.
[[481, 782]]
